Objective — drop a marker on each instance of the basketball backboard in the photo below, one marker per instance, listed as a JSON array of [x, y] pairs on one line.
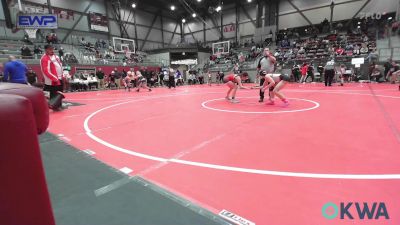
[[221, 47], [123, 45]]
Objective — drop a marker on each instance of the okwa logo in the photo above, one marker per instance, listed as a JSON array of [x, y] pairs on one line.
[[355, 210]]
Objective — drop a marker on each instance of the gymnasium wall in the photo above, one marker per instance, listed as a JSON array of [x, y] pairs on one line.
[[203, 58], [194, 28], [81, 29], [163, 31], [164, 58], [315, 10], [318, 10]]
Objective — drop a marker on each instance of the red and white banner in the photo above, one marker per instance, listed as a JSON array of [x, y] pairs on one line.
[[229, 28]]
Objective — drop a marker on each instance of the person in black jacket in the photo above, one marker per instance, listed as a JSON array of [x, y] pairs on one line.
[[296, 73], [100, 77], [388, 66], [31, 76], [171, 78], [310, 72]]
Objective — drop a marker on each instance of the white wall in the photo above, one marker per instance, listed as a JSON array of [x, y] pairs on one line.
[[203, 57], [169, 24], [382, 6], [159, 57], [246, 27], [1, 12], [341, 11]]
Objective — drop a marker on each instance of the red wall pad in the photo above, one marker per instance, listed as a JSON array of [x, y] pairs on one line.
[[36, 97], [24, 198]]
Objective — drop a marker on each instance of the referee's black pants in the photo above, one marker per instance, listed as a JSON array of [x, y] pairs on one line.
[[261, 92], [171, 82], [329, 74]]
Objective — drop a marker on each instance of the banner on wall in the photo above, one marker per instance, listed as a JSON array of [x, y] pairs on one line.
[[64, 13], [98, 22], [229, 28], [33, 9], [37, 21]]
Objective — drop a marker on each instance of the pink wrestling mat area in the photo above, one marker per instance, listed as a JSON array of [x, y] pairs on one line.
[[267, 164]]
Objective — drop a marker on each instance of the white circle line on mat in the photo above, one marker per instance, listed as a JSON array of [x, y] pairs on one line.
[[316, 105], [228, 168]]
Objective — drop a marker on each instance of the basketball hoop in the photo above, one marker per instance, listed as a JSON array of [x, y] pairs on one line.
[[126, 51], [31, 32]]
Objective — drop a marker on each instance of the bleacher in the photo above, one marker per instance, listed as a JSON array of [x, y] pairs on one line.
[[322, 48], [11, 47], [82, 55]]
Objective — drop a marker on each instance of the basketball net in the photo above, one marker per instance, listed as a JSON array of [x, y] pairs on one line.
[[31, 32], [127, 53]]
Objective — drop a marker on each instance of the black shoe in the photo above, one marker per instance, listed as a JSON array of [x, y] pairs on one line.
[[61, 108], [261, 100]]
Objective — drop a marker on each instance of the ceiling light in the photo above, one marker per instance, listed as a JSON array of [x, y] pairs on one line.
[[133, 5], [390, 18], [198, 0], [194, 15], [183, 20], [248, 1], [218, 8], [172, 7]]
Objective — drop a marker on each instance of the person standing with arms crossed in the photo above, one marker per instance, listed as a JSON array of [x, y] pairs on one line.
[[265, 65]]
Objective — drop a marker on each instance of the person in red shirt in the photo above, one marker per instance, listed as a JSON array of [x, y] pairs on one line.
[[304, 70], [52, 71], [234, 81], [340, 51]]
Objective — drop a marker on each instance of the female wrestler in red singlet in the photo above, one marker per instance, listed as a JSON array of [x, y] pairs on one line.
[[234, 82]]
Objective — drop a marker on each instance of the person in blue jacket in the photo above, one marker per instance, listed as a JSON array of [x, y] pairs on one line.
[[15, 71]]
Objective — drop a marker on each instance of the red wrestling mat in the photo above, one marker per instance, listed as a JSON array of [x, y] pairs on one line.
[[267, 164]]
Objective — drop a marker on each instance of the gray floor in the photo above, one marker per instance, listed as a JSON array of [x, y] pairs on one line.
[[73, 178]]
